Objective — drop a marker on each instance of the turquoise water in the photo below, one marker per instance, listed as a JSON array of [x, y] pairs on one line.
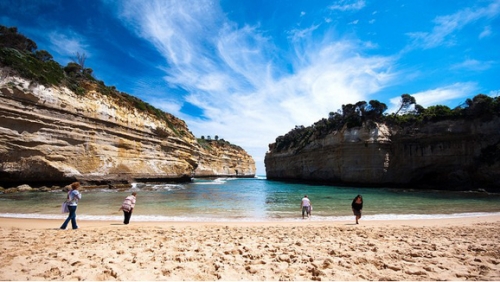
[[257, 199]]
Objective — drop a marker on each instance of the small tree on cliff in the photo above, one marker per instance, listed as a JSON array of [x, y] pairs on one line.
[[43, 55], [10, 38], [80, 59], [406, 101], [481, 105], [360, 108], [72, 69], [351, 116], [375, 110]]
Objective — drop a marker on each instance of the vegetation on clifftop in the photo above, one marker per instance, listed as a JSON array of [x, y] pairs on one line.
[[209, 143], [410, 114]]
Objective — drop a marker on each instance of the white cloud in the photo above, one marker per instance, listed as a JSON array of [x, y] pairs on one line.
[[485, 33], [300, 34], [447, 25], [347, 5], [472, 65], [174, 27], [494, 93], [169, 106], [66, 44]]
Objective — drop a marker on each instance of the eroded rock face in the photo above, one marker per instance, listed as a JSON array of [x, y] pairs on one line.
[[450, 155], [52, 135]]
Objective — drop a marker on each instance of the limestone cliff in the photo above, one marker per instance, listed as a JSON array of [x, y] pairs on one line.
[[450, 154], [50, 135]]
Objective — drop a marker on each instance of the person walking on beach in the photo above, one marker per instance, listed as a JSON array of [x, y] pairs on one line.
[[305, 205], [357, 206], [73, 197], [127, 207]]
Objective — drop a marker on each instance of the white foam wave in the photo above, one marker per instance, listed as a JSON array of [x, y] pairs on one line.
[[217, 181], [156, 187]]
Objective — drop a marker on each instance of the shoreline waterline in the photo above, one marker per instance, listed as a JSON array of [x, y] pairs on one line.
[[298, 218]]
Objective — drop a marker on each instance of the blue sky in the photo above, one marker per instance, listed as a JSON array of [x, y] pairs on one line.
[[251, 70]]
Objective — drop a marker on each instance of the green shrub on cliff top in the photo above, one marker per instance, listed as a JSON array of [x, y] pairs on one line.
[[209, 144], [354, 115], [29, 66]]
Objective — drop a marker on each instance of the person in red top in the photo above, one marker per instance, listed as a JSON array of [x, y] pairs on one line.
[[127, 207]]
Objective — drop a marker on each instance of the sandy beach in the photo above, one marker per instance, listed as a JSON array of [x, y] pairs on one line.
[[445, 249]]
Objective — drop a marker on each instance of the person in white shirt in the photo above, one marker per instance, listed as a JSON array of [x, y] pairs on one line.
[[73, 197], [305, 205]]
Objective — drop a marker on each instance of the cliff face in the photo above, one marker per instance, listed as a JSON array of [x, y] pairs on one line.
[[222, 159], [443, 155], [52, 135]]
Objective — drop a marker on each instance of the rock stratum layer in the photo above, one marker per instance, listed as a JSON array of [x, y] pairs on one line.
[[450, 155], [54, 136]]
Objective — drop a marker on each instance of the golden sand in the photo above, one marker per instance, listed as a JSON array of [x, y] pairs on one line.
[[446, 249]]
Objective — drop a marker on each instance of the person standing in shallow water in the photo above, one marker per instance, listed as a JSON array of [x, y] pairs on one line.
[[127, 207], [305, 205], [357, 206], [73, 197]]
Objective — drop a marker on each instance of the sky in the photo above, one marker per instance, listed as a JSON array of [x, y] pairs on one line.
[[249, 71]]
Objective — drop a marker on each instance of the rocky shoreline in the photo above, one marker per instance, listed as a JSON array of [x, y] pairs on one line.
[[119, 186], [55, 188]]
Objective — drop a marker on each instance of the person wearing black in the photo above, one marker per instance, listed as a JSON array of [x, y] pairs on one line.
[[357, 206]]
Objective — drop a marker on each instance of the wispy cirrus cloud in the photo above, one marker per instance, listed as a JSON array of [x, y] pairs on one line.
[[445, 26], [486, 32], [473, 65], [66, 43], [232, 72], [348, 5]]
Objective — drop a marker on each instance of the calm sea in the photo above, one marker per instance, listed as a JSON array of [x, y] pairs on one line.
[[257, 199]]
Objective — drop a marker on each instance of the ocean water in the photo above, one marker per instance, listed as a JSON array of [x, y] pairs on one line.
[[256, 199]]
